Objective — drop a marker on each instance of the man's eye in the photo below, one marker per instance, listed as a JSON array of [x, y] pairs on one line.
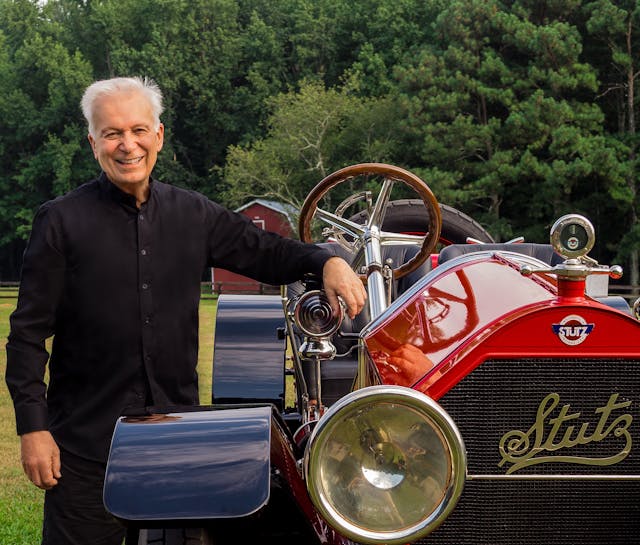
[[110, 135], [140, 131]]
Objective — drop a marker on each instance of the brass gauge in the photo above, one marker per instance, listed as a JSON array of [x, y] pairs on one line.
[[572, 236]]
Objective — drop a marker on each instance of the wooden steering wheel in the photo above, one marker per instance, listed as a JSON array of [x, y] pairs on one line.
[[357, 232]]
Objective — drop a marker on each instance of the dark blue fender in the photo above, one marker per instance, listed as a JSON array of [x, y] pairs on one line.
[[248, 354], [195, 465]]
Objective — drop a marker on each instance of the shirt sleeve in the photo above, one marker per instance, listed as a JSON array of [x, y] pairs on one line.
[[237, 244], [33, 321]]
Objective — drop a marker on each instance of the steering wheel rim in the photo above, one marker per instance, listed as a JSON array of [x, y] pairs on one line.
[[392, 173]]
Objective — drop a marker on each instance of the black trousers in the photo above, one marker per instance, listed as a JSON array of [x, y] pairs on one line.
[[73, 510]]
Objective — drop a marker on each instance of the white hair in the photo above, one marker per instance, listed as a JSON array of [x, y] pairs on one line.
[[108, 87]]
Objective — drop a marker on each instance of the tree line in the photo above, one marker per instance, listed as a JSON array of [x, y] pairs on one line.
[[516, 112]]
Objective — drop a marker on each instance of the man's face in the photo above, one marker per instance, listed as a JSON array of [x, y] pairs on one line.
[[126, 144]]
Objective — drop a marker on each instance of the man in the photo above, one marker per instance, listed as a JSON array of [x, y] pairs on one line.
[[113, 270]]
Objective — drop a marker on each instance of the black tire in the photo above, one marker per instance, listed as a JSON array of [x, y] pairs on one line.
[[408, 216], [174, 536]]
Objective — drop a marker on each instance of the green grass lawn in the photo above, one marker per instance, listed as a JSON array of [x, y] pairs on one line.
[[20, 501]]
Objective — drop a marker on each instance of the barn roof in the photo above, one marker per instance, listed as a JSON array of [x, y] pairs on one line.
[[287, 210]]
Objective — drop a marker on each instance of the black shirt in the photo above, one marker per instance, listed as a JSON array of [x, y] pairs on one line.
[[120, 287]]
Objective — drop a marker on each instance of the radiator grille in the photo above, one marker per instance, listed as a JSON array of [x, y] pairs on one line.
[[590, 504]]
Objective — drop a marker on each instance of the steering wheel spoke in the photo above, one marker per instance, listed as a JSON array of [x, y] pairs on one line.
[[376, 216], [388, 239], [344, 225]]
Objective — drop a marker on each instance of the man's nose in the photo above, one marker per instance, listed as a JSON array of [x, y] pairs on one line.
[[127, 141]]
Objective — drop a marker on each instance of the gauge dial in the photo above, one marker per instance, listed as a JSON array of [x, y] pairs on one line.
[[572, 236]]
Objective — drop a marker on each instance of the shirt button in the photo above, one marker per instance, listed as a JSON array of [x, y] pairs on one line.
[[145, 286], [143, 252], [141, 217], [147, 320]]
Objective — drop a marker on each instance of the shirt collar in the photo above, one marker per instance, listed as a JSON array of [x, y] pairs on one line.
[[119, 196]]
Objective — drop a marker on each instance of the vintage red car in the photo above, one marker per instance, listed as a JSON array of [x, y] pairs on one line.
[[489, 394]]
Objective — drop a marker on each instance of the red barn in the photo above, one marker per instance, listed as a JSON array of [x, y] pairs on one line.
[[270, 215]]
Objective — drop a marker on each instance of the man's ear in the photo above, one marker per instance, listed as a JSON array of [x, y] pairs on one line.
[[160, 136], [93, 144]]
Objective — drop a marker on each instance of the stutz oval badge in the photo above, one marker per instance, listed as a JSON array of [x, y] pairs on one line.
[[572, 329]]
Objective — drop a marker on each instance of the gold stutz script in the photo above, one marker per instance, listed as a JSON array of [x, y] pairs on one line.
[[553, 433]]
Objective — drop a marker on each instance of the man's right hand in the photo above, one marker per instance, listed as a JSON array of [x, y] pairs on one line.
[[40, 458]]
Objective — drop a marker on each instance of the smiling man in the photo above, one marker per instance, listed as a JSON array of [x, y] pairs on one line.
[[113, 270]]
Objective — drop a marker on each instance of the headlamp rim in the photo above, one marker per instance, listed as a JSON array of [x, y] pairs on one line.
[[446, 428]]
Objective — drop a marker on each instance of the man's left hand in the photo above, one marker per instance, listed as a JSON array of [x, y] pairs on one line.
[[339, 279]]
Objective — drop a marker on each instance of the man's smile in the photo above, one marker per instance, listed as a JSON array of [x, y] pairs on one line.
[[133, 161]]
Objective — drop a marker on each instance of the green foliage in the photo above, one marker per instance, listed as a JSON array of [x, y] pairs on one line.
[[613, 37], [311, 133], [514, 110], [503, 103], [40, 136]]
